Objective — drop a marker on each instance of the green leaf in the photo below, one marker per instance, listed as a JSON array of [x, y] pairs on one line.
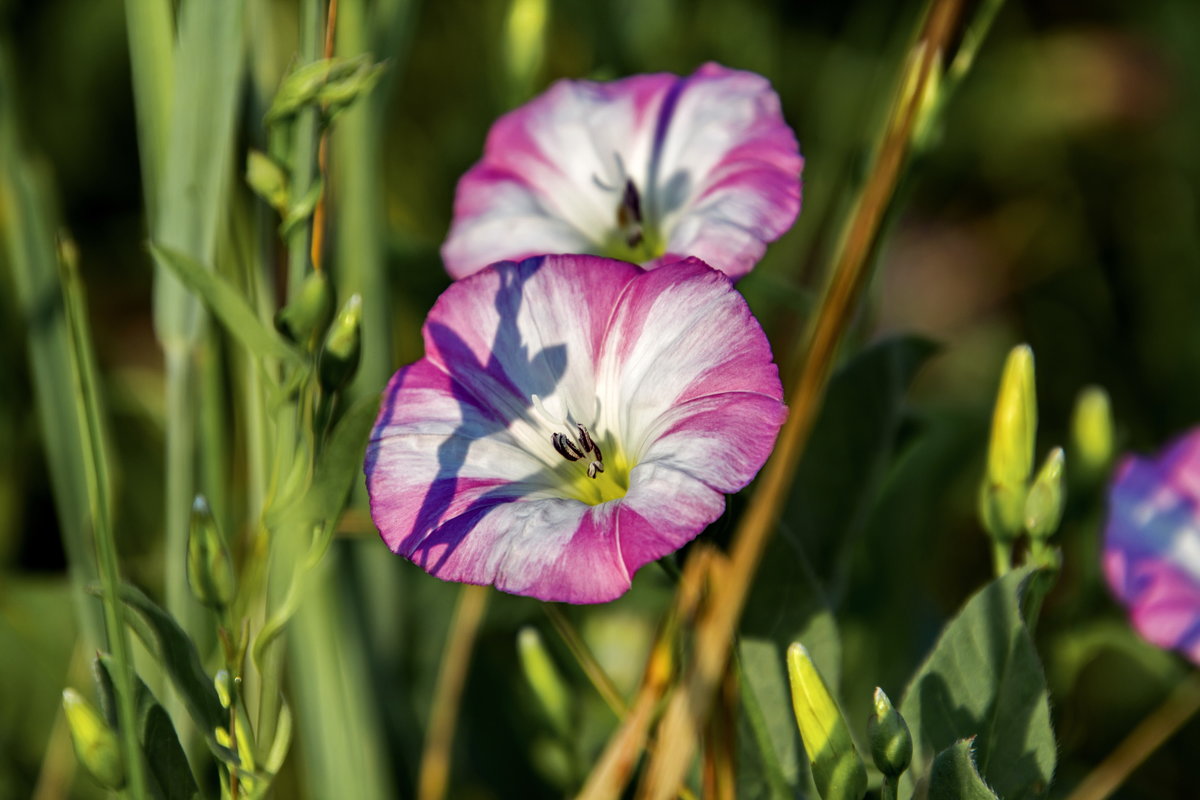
[[228, 305], [954, 776], [769, 750], [847, 456], [165, 756], [171, 775], [178, 655], [338, 467], [983, 680]]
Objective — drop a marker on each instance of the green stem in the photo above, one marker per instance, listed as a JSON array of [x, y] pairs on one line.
[[99, 493], [890, 789], [587, 662], [304, 148]]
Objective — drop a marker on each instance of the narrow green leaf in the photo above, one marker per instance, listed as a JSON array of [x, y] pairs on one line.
[[228, 305], [208, 66], [983, 680], [178, 655], [954, 777]]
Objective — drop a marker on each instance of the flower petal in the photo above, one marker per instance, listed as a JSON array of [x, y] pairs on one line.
[[690, 374], [1152, 544], [728, 176]]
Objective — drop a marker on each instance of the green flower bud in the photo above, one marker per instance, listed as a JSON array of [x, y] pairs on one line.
[[95, 743], [267, 179], [544, 679], [1010, 451], [224, 686], [1092, 433], [838, 770], [209, 567], [339, 355], [891, 743], [305, 319], [303, 86], [1044, 503]]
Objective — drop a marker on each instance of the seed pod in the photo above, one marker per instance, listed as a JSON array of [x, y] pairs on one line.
[[95, 743], [209, 567]]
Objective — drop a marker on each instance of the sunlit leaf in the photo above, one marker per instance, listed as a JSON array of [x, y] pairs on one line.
[[983, 680], [954, 777]]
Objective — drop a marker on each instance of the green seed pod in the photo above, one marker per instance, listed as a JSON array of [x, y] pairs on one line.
[[1092, 433], [838, 770], [95, 743], [891, 743], [339, 356], [209, 567], [305, 319], [544, 679], [267, 179], [1045, 501]]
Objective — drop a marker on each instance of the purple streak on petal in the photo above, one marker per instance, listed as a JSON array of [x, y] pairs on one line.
[[1152, 544]]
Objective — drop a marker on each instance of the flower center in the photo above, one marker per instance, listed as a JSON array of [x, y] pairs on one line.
[[632, 239], [589, 479]]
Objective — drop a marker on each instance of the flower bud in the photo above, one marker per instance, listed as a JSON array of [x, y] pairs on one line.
[[267, 179], [305, 319], [209, 567], [95, 743], [1092, 433], [887, 732], [1044, 503], [224, 686], [838, 770], [1010, 451], [544, 679], [340, 353]]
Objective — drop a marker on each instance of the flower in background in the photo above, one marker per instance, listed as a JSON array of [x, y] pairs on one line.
[[1152, 544], [573, 419], [648, 169]]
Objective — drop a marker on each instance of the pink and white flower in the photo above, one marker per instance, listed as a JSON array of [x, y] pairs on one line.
[[1152, 544], [573, 419], [649, 169]]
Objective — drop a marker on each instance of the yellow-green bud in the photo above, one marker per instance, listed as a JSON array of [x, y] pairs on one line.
[[544, 679], [95, 743], [224, 686], [305, 319], [887, 732], [838, 770], [1010, 451], [209, 567], [267, 179], [1044, 503], [1092, 432], [340, 353]]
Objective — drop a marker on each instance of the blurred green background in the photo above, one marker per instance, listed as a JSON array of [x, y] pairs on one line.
[[1056, 205]]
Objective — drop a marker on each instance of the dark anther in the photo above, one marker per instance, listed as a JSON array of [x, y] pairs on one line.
[[565, 447], [594, 468], [629, 214], [585, 440]]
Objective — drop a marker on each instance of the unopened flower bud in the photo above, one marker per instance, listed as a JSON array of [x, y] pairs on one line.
[[887, 732], [340, 353], [838, 770], [1010, 450], [224, 685], [1092, 433], [95, 742], [209, 567], [305, 319], [544, 679], [267, 179], [1044, 503]]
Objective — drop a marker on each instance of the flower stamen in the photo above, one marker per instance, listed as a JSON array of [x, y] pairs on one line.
[[629, 214], [575, 449]]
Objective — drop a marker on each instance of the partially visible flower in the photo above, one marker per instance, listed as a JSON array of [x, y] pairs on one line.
[[573, 419], [1152, 544], [648, 169]]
